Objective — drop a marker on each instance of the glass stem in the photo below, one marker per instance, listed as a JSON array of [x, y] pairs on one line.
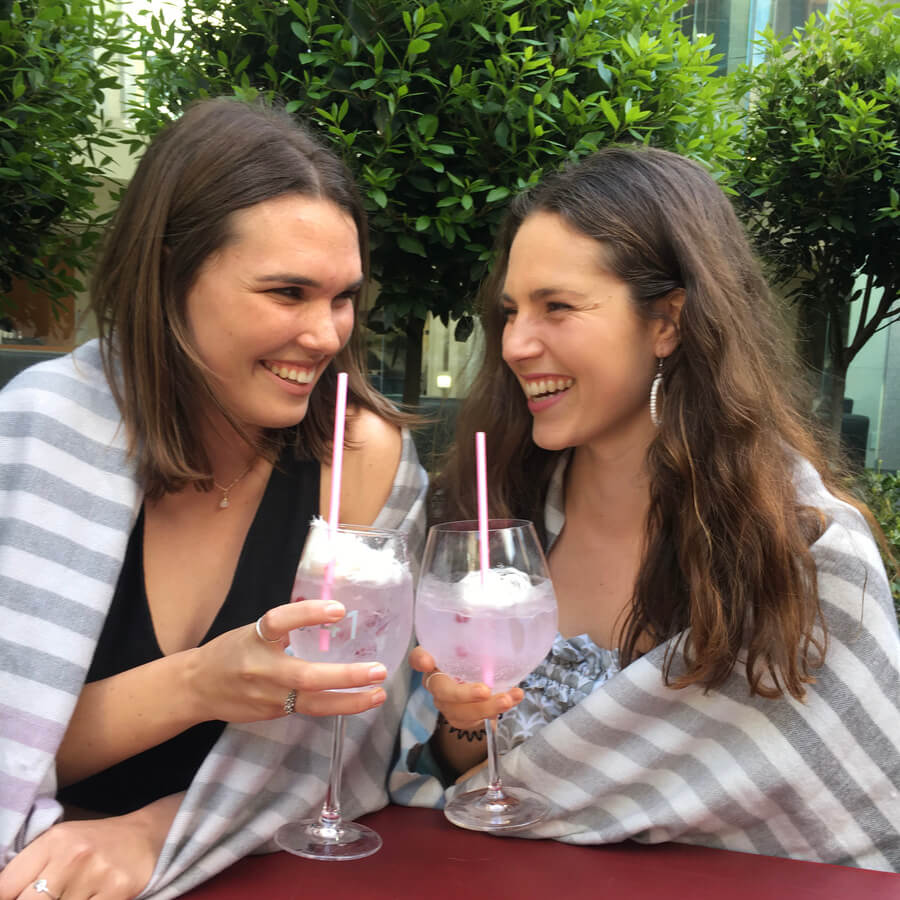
[[331, 808], [494, 788]]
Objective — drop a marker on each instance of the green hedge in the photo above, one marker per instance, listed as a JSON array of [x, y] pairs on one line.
[[881, 491]]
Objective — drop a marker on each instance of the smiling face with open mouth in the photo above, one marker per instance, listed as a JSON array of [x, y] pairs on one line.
[[270, 310], [582, 354]]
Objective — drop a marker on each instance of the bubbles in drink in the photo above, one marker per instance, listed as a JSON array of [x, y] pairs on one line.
[[496, 634], [375, 587]]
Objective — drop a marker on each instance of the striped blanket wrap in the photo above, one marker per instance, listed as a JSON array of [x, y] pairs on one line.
[[817, 779], [68, 500]]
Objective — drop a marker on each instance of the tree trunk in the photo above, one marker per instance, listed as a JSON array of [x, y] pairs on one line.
[[412, 375], [836, 383]]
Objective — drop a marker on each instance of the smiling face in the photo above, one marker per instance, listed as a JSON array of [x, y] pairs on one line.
[[582, 354], [269, 311]]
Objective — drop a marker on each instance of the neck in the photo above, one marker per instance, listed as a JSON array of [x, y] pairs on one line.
[[228, 452], [610, 485]]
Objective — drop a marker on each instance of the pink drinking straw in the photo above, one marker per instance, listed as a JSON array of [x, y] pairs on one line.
[[334, 507], [483, 554]]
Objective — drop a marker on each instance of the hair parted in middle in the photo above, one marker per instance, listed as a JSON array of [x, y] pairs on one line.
[[220, 156], [726, 541]]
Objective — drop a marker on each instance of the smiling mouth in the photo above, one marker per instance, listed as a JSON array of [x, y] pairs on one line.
[[291, 373], [547, 387]]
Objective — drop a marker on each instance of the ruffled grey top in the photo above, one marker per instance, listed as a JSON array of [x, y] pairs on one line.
[[572, 670]]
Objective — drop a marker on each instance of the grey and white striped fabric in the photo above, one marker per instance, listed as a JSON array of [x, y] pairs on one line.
[[68, 499], [816, 780]]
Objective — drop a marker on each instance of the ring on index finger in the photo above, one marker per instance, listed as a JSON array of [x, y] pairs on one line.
[[431, 675], [262, 637]]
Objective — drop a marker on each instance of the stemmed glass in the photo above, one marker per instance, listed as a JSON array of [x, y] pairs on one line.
[[495, 630], [372, 579]]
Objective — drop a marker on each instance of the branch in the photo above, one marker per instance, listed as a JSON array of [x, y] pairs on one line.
[[864, 311], [883, 311]]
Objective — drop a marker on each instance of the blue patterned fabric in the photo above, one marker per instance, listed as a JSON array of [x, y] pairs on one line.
[[572, 669]]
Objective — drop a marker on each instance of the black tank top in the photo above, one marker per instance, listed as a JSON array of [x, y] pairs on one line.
[[263, 578]]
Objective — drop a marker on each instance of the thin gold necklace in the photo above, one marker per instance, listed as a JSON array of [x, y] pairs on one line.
[[224, 503]]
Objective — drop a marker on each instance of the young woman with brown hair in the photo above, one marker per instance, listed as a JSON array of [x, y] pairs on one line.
[[726, 671], [157, 488]]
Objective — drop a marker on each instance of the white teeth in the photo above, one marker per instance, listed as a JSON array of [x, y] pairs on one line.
[[548, 386], [300, 376]]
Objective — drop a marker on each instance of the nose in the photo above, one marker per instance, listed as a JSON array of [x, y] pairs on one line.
[[521, 340], [318, 329]]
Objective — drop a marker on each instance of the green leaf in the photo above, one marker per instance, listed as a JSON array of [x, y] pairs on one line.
[[609, 112], [427, 125], [379, 196], [423, 223], [417, 46], [498, 193], [456, 75], [411, 245]]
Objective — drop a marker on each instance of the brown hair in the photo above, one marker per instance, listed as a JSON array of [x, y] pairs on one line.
[[221, 156], [726, 540]]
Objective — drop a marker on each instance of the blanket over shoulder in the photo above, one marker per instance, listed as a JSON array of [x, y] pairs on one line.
[[817, 779], [68, 500]]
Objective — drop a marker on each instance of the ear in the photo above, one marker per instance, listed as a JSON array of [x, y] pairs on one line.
[[668, 332]]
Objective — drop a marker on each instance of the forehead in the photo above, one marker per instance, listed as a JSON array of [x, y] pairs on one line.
[[546, 246]]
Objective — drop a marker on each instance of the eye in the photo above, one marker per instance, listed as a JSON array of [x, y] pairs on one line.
[[557, 306], [507, 312], [348, 297], [291, 292]]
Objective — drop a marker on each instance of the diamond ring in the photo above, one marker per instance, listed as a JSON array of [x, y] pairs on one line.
[[41, 887]]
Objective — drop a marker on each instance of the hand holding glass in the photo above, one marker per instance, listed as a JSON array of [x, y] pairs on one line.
[[371, 578], [495, 632]]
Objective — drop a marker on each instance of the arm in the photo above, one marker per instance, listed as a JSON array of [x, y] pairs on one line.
[[234, 678]]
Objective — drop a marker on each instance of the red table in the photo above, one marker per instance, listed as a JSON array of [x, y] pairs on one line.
[[424, 856]]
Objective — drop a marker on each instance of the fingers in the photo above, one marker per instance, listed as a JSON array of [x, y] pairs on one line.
[[310, 677], [275, 624], [465, 704], [469, 715], [421, 660], [339, 703]]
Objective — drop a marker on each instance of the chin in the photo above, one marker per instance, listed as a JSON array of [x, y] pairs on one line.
[[548, 440]]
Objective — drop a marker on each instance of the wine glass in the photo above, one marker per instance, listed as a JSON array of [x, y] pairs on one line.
[[372, 579], [495, 632]]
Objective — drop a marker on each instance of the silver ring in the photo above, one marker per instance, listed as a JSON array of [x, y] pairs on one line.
[[262, 637], [431, 675], [290, 702], [41, 887]]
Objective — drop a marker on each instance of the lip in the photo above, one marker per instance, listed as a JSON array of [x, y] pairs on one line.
[[536, 406]]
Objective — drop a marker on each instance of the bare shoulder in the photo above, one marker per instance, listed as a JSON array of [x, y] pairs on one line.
[[370, 465]]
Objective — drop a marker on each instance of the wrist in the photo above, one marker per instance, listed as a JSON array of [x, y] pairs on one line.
[[462, 734], [196, 707]]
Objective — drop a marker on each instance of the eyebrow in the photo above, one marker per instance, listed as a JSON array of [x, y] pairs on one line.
[[302, 281], [542, 293]]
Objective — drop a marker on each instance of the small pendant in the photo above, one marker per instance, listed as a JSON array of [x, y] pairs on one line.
[[224, 503]]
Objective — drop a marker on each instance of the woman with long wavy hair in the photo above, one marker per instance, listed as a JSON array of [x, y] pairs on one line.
[[726, 671]]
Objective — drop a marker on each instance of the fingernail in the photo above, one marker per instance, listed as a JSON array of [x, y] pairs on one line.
[[377, 672], [378, 698], [334, 609]]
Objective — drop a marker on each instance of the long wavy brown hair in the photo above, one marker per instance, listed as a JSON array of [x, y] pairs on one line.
[[221, 156], [726, 540]]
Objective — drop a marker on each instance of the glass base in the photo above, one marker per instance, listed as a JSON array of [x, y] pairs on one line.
[[314, 839], [502, 810]]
